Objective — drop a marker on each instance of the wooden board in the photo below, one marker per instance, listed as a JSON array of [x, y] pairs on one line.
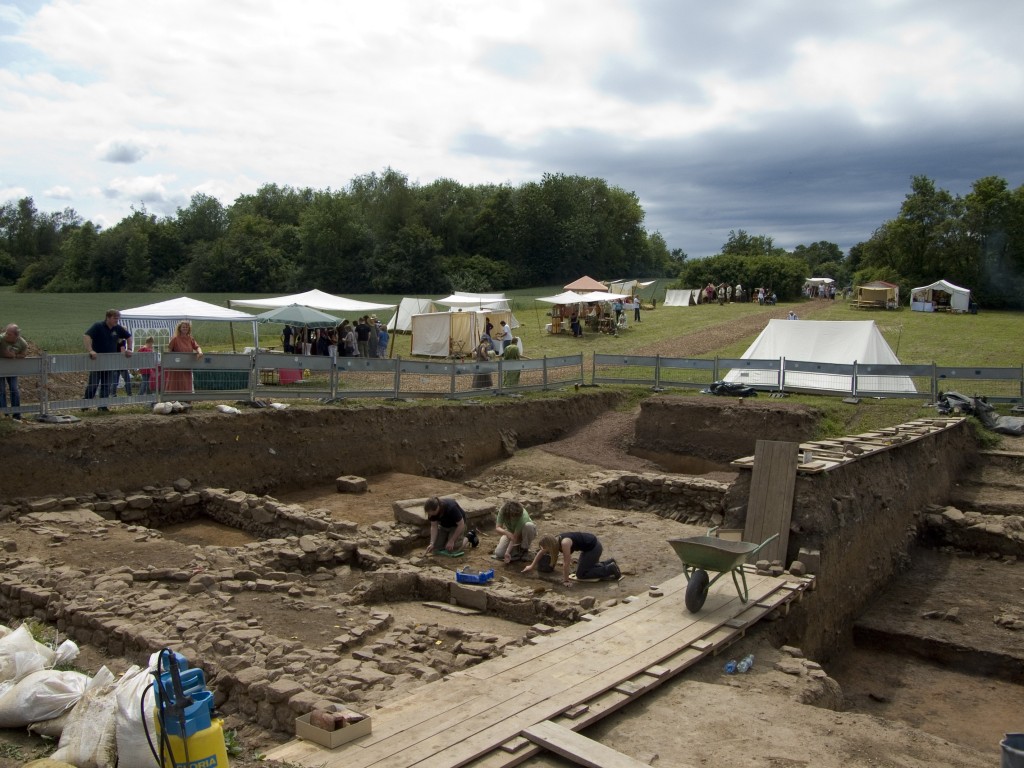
[[578, 665], [579, 749], [771, 496]]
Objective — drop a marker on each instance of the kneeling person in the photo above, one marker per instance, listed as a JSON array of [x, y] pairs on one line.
[[517, 531], [449, 526], [588, 545]]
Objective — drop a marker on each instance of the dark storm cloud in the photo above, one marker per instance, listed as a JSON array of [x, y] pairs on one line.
[[801, 179]]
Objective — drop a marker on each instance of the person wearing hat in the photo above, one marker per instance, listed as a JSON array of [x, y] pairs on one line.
[[12, 346]]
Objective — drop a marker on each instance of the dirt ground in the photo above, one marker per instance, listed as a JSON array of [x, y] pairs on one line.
[[898, 711]]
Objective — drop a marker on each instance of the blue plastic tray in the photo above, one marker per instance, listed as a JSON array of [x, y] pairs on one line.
[[474, 578]]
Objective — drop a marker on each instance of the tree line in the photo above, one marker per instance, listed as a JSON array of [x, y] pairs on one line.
[[381, 234], [975, 241]]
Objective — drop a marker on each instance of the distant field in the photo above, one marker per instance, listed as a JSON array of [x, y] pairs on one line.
[[56, 322]]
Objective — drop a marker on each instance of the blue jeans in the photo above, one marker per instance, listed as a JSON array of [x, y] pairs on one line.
[[99, 380], [12, 383]]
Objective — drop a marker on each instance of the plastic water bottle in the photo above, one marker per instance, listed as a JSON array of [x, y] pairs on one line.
[[730, 667], [745, 663]]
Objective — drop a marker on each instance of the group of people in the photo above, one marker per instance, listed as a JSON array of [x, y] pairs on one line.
[[367, 337], [727, 294], [450, 533], [512, 349], [108, 336]]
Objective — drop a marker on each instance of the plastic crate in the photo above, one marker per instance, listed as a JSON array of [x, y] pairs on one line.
[[467, 577]]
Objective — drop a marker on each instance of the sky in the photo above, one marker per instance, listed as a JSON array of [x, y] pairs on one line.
[[802, 120]]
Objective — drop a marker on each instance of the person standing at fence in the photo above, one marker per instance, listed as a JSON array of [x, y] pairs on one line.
[[286, 335], [636, 309], [12, 346], [182, 343], [382, 340], [104, 338], [482, 355], [371, 337], [148, 386], [363, 336], [513, 352], [504, 336]]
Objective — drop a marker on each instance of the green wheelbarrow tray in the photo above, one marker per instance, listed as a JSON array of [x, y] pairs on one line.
[[700, 554]]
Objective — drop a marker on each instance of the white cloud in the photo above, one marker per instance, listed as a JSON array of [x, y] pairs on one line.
[[650, 94], [59, 193]]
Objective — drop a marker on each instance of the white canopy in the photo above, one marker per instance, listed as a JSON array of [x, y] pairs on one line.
[[822, 341], [317, 299], [165, 315], [924, 298], [568, 297], [819, 281], [628, 287], [184, 308], [439, 334]]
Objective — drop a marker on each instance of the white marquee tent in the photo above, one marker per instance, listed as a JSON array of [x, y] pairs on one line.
[[165, 315], [940, 294], [317, 299], [822, 341], [479, 302]]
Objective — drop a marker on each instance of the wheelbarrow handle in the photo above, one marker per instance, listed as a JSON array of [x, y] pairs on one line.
[[763, 544]]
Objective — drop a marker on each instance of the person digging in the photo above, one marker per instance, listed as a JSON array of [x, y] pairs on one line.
[[449, 527]]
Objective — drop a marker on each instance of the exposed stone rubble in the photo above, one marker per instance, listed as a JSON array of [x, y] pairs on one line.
[[269, 679], [975, 531]]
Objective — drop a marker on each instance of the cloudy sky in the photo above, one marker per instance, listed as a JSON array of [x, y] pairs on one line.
[[803, 120]]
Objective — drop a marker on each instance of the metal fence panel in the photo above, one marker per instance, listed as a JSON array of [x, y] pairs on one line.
[[24, 377], [1000, 385], [366, 377], [625, 369], [686, 373], [293, 376]]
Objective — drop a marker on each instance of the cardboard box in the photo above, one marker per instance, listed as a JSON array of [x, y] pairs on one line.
[[331, 739]]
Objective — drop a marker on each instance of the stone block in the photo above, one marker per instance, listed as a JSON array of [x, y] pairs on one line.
[[478, 511], [470, 596], [351, 484], [811, 558]]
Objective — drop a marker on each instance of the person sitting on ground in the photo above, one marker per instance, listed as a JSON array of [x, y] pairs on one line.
[[792, 315], [589, 547], [449, 526], [517, 531]]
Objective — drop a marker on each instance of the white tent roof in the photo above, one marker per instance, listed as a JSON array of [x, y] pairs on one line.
[[184, 308], [819, 281], [402, 319], [317, 299], [567, 297], [480, 300], [822, 341]]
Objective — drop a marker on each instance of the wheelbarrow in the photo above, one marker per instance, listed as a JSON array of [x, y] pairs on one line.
[[700, 554]]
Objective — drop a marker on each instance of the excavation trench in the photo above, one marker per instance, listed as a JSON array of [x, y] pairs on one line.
[[231, 542]]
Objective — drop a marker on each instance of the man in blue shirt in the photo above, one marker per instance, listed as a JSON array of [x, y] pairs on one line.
[[104, 338]]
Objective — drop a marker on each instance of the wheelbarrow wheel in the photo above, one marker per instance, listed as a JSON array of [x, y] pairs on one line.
[[696, 590]]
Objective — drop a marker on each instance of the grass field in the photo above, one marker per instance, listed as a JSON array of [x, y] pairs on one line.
[[56, 322]]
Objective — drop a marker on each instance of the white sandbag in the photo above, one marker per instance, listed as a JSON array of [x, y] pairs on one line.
[[133, 750], [17, 666], [20, 641], [41, 696], [88, 739], [66, 653], [54, 727]]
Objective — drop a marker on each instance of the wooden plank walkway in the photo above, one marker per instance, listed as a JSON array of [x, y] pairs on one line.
[[572, 677]]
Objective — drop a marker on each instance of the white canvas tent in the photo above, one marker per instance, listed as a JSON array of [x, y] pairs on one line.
[[822, 341], [628, 287], [401, 321], [679, 298], [940, 295], [317, 299], [164, 316], [440, 334]]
